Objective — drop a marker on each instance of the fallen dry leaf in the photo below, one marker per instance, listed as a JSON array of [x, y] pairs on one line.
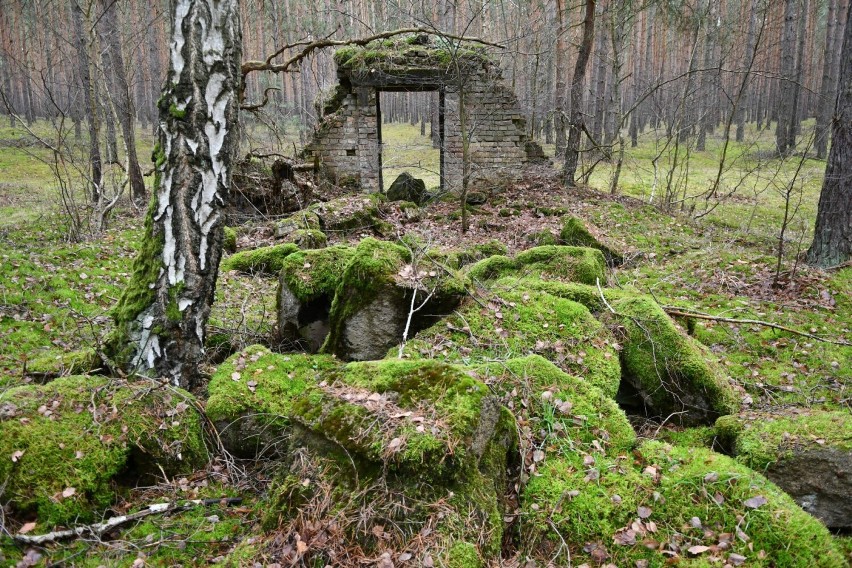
[[27, 528], [755, 502]]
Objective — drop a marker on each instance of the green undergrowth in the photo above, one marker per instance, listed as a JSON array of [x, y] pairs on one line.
[[665, 504], [73, 443]]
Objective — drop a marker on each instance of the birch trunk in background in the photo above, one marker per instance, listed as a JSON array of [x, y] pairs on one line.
[[162, 315]]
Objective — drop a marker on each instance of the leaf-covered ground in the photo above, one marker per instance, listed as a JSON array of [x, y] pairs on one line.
[[55, 297]]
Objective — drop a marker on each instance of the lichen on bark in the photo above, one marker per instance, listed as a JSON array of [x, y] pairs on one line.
[[161, 317]]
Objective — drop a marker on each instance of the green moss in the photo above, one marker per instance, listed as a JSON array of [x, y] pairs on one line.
[[679, 487], [697, 437], [349, 214], [140, 292], [265, 260], [314, 394], [518, 323], [172, 309], [759, 439], [477, 252], [372, 268], [674, 371], [310, 274], [85, 432], [52, 364], [463, 555], [575, 233], [229, 240], [175, 112], [572, 264], [301, 220], [541, 391], [543, 238], [309, 238]]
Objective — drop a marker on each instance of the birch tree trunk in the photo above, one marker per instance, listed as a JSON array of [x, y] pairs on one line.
[[161, 317]]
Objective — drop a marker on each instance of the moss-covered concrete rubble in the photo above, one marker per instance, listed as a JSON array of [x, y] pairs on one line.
[[561, 263], [69, 446]]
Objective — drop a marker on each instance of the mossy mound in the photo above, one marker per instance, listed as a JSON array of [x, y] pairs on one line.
[[519, 322], [666, 504], [68, 446], [441, 417], [569, 264], [350, 214], [303, 220], [56, 364], [229, 240], [808, 453], [424, 442], [264, 260], [562, 411], [674, 373], [374, 296], [309, 239], [575, 233]]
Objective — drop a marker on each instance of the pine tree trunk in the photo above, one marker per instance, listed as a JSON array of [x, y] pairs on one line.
[[572, 149], [785, 99], [828, 86], [833, 232], [120, 94], [162, 315]]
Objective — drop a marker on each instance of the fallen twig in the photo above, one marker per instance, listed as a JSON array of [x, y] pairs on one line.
[[673, 311], [99, 529]]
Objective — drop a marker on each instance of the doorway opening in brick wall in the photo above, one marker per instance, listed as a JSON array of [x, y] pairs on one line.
[[410, 136]]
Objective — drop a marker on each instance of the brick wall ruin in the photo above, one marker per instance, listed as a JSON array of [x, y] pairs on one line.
[[347, 139]]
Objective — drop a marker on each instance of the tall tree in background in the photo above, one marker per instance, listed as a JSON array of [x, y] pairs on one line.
[[832, 244], [788, 63], [577, 125], [120, 95], [162, 316]]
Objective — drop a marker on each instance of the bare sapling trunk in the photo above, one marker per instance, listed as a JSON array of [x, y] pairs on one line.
[[162, 315], [572, 149], [83, 43]]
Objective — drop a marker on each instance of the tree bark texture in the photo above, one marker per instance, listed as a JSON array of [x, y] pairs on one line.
[[832, 243], [119, 89], [572, 149], [788, 61], [161, 317], [81, 38], [828, 87]]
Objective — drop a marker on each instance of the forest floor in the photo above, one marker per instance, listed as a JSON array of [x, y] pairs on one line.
[[55, 296]]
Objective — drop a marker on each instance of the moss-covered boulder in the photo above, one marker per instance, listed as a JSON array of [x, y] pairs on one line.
[[808, 453], [306, 286], [575, 233], [665, 505], [408, 188], [677, 377], [349, 214], [519, 322], [52, 363], [301, 221], [425, 443], [264, 260], [383, 291], [309, 239], [69, 446], [568, 264]]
